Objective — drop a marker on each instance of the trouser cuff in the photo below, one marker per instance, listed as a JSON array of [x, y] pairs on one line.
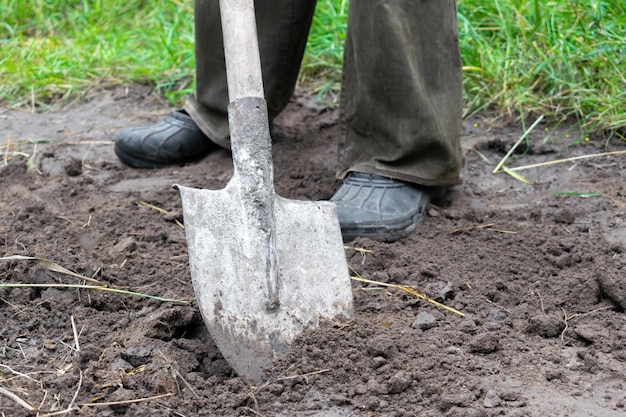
[[213, 124]]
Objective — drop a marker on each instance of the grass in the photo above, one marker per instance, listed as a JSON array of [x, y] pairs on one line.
[[53, 49], [563, 59], [321, 67]]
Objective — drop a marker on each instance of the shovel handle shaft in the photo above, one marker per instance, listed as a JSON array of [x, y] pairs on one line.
[[250, 136], [241, 47], [252, 158]]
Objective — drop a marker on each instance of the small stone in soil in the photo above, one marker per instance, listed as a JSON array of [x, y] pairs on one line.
[[492, 399], [424, 321]]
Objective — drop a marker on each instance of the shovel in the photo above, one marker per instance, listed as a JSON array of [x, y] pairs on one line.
[[264, 268]]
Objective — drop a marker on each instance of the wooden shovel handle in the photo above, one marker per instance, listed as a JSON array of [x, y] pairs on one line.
[[241, 47]]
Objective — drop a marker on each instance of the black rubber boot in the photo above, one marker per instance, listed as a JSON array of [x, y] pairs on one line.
[[174, 140], [381, 208]]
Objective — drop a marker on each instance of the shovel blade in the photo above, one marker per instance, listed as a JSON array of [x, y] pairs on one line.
[[228, 261]]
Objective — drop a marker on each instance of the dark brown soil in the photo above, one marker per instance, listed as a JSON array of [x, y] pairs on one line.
[[540, 277]]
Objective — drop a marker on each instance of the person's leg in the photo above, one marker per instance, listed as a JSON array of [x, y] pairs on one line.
[[401, 110], [190, 134], [283, 28]]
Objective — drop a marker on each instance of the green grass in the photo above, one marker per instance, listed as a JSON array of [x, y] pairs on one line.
[[563, 59], [52, 49], [321, 67]]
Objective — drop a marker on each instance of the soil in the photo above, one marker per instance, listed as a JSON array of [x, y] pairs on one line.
[[538, 274]]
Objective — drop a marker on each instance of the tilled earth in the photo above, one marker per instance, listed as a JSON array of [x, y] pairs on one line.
[[536, 269]]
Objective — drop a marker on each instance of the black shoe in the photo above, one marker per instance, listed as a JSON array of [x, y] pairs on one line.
[[174, 140], [382, 208]]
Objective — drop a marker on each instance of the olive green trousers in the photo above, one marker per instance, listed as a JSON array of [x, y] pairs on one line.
[[401, 98]]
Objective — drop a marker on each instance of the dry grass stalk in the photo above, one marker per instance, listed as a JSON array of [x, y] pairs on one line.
[[567, 318], [17, 373], [416, 292], [17, 399], [162, 211], [53, 267], [98, 288], [358, 249], [572, 159], [281, 377], [510, 152], [72, 405], [125, 402], [177, 374], [76, 344], [487, 226], [498, 305]]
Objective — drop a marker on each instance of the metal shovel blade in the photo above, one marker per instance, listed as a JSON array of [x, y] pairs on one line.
[[227, 266], [264, 268]]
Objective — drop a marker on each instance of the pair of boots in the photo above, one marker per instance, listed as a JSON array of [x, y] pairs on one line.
[[368, 205]]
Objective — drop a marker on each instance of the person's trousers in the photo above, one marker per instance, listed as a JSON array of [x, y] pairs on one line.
[[401, 99]]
